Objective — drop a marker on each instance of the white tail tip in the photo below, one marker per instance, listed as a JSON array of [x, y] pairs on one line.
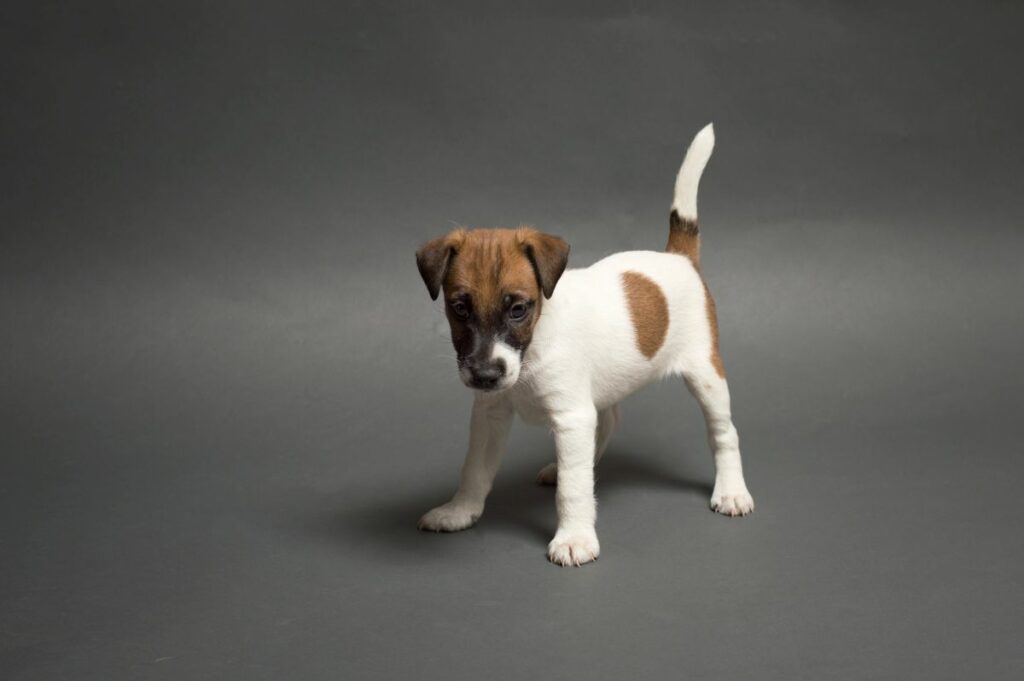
[[684, 202]]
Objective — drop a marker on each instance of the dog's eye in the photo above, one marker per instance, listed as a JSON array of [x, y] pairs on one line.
[[460, 309], [518, 311]]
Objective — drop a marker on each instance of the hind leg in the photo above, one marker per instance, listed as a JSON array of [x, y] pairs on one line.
[[607, 423], [730, 496]]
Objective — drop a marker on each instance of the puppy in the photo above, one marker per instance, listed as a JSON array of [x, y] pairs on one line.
[[563, 348]]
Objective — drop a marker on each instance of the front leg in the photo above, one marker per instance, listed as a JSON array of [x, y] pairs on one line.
[[607, 422], [575, 541], [488, 433]]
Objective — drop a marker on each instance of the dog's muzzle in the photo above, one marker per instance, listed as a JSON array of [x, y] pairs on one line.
[[486, 375]]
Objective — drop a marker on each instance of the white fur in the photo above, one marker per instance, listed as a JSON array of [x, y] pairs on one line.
[[510, 355], [583, 360], [685, 199]]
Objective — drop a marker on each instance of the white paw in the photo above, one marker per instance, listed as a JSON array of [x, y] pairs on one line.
[[732, 501], [573, 549], [450, 517], [548, 475]]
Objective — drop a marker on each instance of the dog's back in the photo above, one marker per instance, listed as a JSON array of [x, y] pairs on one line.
[[638, 315]]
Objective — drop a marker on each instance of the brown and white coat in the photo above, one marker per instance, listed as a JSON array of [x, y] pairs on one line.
[[563, 347]]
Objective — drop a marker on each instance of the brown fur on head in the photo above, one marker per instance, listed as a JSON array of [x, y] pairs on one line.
[[494, 281]]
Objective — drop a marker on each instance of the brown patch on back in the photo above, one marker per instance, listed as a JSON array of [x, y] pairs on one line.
[[648, 310], [684, 238], [712, 313]]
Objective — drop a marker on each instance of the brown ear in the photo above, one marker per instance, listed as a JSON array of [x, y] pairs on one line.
[[549, 256], [432, 259]]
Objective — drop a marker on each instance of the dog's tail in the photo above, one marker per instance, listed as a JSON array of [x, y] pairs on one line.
[[684, 236]]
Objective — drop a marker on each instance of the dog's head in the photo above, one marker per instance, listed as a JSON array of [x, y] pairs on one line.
[[493, 282]]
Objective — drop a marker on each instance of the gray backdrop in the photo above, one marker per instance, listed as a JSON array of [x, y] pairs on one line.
[[226, 397]]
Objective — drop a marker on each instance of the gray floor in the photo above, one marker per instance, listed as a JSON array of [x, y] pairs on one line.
[[225, 397]]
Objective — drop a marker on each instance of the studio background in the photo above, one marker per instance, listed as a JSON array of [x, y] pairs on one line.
[[226, 398]]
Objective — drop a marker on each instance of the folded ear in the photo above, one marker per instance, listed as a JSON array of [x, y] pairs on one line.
[[432, 259], [549, 256]]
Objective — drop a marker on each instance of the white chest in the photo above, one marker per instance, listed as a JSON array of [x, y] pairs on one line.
[[529, 405]]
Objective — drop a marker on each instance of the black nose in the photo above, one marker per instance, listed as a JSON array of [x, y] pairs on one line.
[[487, 376]]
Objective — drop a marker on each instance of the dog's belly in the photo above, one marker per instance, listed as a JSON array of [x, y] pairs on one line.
[[606, 393]]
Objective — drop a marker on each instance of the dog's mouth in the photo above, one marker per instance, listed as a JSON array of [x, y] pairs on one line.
[[487, 384], [493, 388]]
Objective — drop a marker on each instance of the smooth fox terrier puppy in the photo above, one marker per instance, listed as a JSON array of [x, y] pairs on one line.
[[563, 348]]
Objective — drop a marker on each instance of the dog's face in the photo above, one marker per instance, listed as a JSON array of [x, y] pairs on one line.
[[493, 282]]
